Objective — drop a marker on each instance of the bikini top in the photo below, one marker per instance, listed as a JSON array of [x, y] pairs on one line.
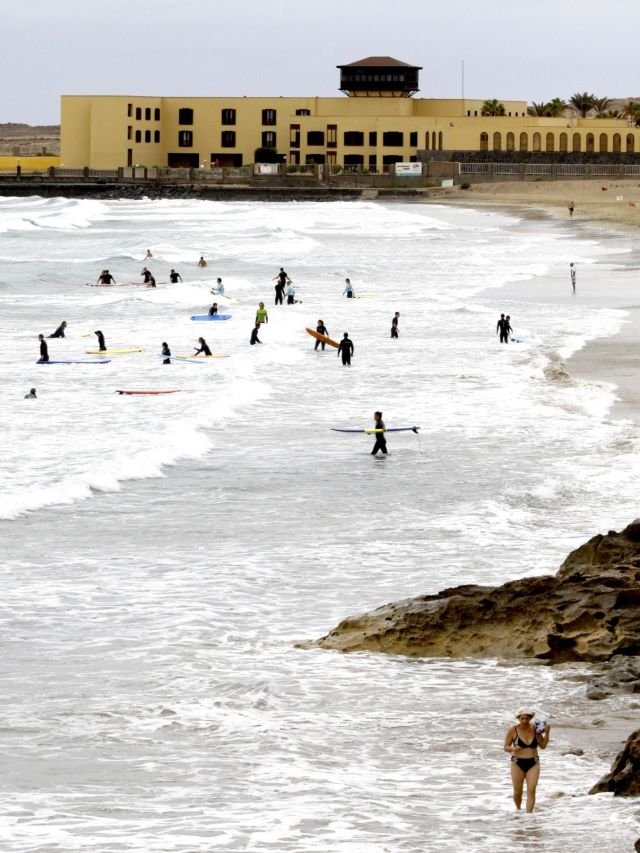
[[519, 742]]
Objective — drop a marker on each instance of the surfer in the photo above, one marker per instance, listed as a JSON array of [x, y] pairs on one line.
[[508, 322], [381, 441], [166, 352], [174, 277], [31, 395], [394, 324], [523, 745], [321, 329], [262, 315], [105, 277], [345, 349], [59, 332], [291, 294], [348, 289], [152, 281], [213, 310], [572, 273], [44, 349], [282, 279], [254, 339], [147, 275], [503, 328], [202, 262], [204, 348], [101, 344], [148, 255], [219, 287]]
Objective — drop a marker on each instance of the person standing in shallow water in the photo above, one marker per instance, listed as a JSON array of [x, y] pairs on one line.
[[572, 207], [572, 273], [522, 741], [503, 328], [394, 325], [345, 349], [44, 349], [101, 344], [381, 442]]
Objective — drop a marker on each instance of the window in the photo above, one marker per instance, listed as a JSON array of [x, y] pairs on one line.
[[373, 138], [511, 142], [564, 142], [577, 145], [138, 113], [413, 139], [294, 136], [185, 138], [129, 129], [604, 142], [315, 137], [294, 158], [353, 160], [630, 143], [138, 136], [536, 142], [497, 141], [185, 116], [353, 138], [332, 136], [228, 139], [156, 136], [147, 136], [303, 112], [590, 143], [373, 162], [147, 114], [268, 117], [156, 114], [549, 144], [484, 141], [617, 143], [427, 137], [393, 139], [524, 142], [228, 116], [268, 139], [129, 110]]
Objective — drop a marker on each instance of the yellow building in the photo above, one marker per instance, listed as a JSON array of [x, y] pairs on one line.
[[375, 123]]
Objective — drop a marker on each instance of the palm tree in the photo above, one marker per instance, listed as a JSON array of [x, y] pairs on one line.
[[631, 111], [538, 109], [582, 103], [493, 108], [601, 106], [556, 108]]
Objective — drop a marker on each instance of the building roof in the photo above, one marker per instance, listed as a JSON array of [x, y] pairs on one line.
[[379, 62]]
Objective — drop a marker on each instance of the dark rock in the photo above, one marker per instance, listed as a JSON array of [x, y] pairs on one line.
[[598, 692], [624, 777], [574, 752]]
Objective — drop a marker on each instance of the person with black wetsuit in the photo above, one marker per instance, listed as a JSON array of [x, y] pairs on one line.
[[381, 441], [345, 349], [31, 395], [101, 344], [522, 742], [321, 329], [503, 328], [105, 277], [146, 275], [281, 282], [59, 332], [204, 348], [152, 281], [166, 352], [394, 325], [254, 339], [213, 310], [44, 349], [174, 277]]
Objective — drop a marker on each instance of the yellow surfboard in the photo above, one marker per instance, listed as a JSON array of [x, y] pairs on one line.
[[322, 338]]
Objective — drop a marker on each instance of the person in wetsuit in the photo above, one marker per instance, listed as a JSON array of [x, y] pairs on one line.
[[262, 315], [146, 274], [174, 277], [105, 277], [381, 442], [166, 352], [254, 339], [348, 289], [394, 324], [152, 281], [321, 329], [44, 349], [281, 282], [101, 344], [522, 741], [31, 395], [345, 349], [204, 348], [59, 332], [213, 310], [503, 328]]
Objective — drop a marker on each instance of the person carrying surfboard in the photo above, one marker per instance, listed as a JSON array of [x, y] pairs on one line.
[[321, 329], [345, 349], [381, 442]]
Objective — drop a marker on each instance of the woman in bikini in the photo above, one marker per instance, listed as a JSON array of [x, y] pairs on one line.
[[522, 741]]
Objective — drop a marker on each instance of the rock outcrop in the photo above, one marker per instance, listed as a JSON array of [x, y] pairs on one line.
[[588, 611], [624, 777]]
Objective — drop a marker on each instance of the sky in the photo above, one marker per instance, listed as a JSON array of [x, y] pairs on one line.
[[511, 49]]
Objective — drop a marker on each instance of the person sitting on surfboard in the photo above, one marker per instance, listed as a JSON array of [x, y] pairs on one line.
[[174, 277], [166, 351], [261, 314], [254, 339], [348, 289], [381, 442], [101, 344], [31, 395], [219, 287], [345, 349], [214, 309], [204, 348], [321, 329], [105, 277], [59, 332], [44, 349]]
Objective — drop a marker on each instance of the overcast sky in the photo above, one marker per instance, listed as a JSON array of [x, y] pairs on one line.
[[512, 49]]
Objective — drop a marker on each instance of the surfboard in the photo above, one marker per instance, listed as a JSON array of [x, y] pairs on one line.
[[323, 338], [124, 284], [77, 361], [114, 351], [125, 391], [211, 317], [195, 357], [373, 430]]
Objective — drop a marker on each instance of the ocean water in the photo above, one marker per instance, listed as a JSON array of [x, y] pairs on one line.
[[163, 554]]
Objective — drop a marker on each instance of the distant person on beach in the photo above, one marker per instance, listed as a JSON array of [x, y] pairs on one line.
[[522, 741], [213, 310], [166, 352], [31, 395], [282, 279], [321, 329], [204, 348], [101, 344], [219, 287], [174, 277], [105, 277], [202, 262], [254, 339], [394, 325], [503, 328], [59, 332], [348, 289], [148, 255], [572, 273], [572, 207], [381, 442], [44, 349], [345, 349]]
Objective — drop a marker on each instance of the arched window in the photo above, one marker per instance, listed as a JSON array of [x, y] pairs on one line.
[[185, 116], [147, 113], [497, 141], [604, 142], [564, 142], [511, 142], [536, 142], [577, 144], [138, 136], [590, 143], [617, 143], [138, 113], [156, 136], [440, 140], [524, 142], [549, 142], [434, 143], [484, 141], [147, 136], [426, 141], [630, 143], [156, 114]]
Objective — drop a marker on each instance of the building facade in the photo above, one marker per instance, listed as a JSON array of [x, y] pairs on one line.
[[376, 123]]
